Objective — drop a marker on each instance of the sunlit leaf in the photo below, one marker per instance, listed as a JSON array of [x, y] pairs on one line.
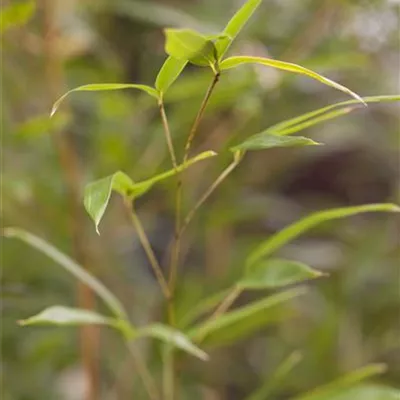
[[235, 25], [60, 315], [272, 382], [99, 87], [169, 72], [304, 121], [70, 266], [289, 233], [244, 321], [188, 45], [341, 386], [233, 62], [98, 193], [174, 337], [272, 273], [266, 140], [16, 13]]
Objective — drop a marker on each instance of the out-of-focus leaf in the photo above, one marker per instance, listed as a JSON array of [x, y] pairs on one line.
[[274, 273], [140, 188], [303, 121], [203, 307], [169, 72], [266, 140], [174, 337], [188, 45], [70, 266], [41, 125], [341, 386], [60, 315], [233, 62], [271, 383], [16, 13], [235, 25], [99, 87], [365, 392], [98, 193], [292, 231], [236, 324]]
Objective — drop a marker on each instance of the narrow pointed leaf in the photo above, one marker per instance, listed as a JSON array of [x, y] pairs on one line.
[[271, 383], [98, 193], [236, 24], [233, 62], [334, 389], [292, 231], [140, 188], [188, 45], [169, 72], [70, 266], [304, 121], [60, 315], [273, 273], [244, 321], [266, 140], [98, 87], [175, 338]]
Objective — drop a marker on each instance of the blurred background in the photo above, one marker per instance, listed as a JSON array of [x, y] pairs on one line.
[[343, 322]]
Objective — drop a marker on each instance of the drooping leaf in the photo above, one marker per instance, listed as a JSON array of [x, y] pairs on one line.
[[287, 234], [98, 87], [233, 62], [169, 72], [266, 140], [188, 45], [273, 273], [235, 25], [60, 315], [334, 390], [16, 13], [304, 121], [98, 193], [140, 188], [244, 321], [175, 338], [272, 382], [70, 266]]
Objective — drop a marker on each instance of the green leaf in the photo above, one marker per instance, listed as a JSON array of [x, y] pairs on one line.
[[140, 188], [303, 121], [60, 315], [70, 266], [235, 25], [169, 72], [244, 321], [365, 392], [188, 45], [17, 13], [266, 140], [98, 193], [340, 386], [271, 383], [173, 337], [292, 231], [98, 87], [273, 273], [233, 62]]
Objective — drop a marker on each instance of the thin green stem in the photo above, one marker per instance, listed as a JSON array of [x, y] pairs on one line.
[[148, 250], [208, 193], [178, 199], [167, 133]]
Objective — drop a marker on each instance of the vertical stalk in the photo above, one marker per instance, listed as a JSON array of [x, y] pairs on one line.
[[69, 163]]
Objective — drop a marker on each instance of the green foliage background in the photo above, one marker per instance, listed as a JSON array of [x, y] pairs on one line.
[[343, 322]]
